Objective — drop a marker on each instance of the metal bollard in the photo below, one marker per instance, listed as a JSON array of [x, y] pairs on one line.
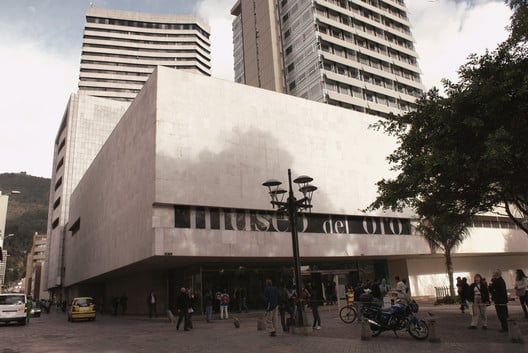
[[366, 332], [431, 323], [514, 331]]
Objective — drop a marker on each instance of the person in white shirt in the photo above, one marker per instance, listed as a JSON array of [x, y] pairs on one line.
[[401, 289], [521, 285]]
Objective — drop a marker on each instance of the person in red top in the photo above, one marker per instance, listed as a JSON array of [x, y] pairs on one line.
[[224, 305]]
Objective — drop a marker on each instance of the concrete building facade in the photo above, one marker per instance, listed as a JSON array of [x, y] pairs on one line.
[[85, 126], [357, 54], [34, 267], [120, 49], [192, 211]]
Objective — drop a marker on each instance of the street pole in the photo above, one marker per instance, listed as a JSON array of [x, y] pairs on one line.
[[292, 214], [291, 207]]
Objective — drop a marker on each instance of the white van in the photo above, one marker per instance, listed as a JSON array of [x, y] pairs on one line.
[[13, 307]]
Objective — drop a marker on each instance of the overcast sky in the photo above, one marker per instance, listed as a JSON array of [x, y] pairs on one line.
[[40, 47]]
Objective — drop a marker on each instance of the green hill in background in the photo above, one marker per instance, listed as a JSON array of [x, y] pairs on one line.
[[27, 213]]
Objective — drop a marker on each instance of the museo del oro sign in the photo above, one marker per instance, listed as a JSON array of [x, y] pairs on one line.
[[267, 221]]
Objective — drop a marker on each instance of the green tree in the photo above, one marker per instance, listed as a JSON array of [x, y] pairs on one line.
[[470, 148], [467, 152], [445, 231]]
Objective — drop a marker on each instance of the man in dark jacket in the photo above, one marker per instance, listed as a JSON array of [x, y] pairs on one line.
[[499, 295], [271, 296], [182, 304]]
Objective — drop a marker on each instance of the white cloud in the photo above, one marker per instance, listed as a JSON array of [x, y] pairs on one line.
[[34, 94], [446, 33], [216, 14], [40, 78]]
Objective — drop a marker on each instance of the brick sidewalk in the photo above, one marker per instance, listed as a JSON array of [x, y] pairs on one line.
[[138, 334]]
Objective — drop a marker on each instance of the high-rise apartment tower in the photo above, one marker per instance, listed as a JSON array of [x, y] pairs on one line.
[[357, 54], [120, 49]]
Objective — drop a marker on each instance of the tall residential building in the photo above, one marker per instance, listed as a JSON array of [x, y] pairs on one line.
[[357, 54], [34, 264], [120, 49]]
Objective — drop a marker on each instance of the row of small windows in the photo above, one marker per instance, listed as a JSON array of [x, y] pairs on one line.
[[369, 44], [367, 29], [383, 5], [493, 223], [358, 108], [358, 24], [115, 72], [110, 64], [369, 96], [143, 24], [370, 61], [123, 81], [145, 57], [143, 50], [156, 36], [371, 78], [132, 43]]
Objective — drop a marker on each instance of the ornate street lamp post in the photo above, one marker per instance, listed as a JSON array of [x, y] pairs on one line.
[[291, 207]]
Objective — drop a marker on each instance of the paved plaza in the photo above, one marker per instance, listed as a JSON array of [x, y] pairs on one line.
[[109, 334]]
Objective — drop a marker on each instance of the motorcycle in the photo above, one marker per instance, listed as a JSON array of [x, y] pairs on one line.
[[399, 317]]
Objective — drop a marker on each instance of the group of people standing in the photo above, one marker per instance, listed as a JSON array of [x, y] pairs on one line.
[[479, 295], [284, 301]]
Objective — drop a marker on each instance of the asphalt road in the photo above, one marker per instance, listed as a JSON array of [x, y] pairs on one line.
[[109, 334]]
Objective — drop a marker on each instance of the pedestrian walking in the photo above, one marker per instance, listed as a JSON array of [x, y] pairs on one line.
[[464, 294], [182, 304], [499, 295], [314, 300], [191, 307], [271, 297], [208, 303], [479, 297], [521, 285], [29, 306], [151, 303], [284, 307]]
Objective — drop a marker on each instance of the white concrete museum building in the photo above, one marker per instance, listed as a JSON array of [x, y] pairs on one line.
[[175, 197]]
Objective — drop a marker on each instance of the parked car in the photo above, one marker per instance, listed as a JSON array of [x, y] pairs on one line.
[[35, 311], [82, 308], [13, 307]]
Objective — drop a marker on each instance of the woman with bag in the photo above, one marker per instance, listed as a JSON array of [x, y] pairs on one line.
[[521, 290], [479, 297]]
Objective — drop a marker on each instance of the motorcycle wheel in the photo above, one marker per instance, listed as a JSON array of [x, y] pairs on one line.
[[376, 330], [418, 329], [348, 314]]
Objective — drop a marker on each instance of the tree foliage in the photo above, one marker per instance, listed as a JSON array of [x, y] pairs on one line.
[[467, 152], [27, 214]]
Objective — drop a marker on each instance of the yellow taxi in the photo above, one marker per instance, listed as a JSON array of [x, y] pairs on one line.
[[82, 308]]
